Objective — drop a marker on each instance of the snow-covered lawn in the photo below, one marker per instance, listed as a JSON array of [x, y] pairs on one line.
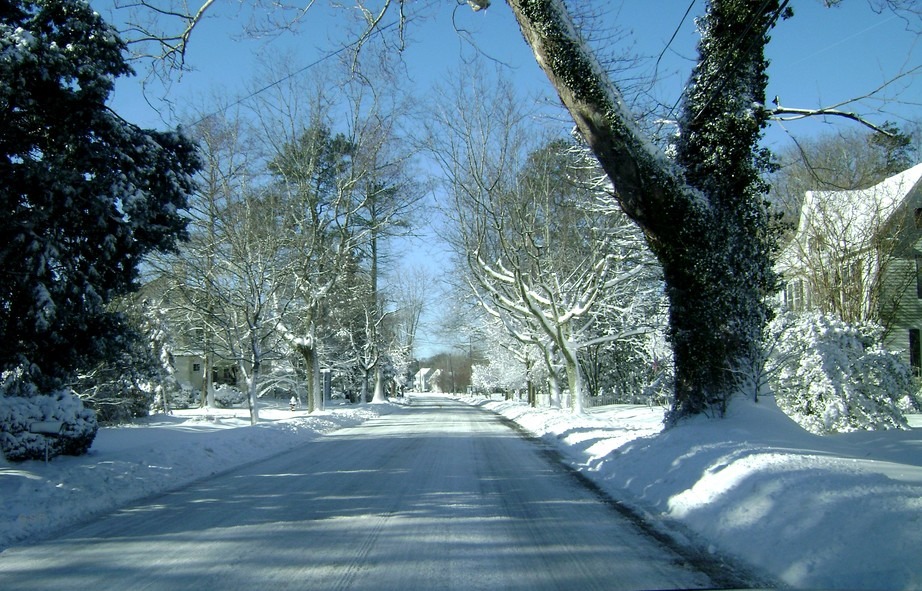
[[822, 512], [833, 512]]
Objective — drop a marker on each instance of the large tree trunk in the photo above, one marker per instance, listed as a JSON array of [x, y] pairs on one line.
[[379, 396], [312, 377], [703, 215], [575, 383]]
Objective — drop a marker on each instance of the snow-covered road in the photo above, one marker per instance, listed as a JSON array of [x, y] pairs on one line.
[[440, 495]]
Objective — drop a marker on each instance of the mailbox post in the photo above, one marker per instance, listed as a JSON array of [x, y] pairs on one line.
[[48, 429]]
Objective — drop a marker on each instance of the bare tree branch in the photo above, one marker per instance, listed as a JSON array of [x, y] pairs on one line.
[[782, 113], [792, 114]]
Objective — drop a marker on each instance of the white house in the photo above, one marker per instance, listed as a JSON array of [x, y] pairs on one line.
[[188, 369], [858, 254], [427, 380]]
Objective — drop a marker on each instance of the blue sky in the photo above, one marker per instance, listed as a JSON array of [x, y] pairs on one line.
[[820, 57]]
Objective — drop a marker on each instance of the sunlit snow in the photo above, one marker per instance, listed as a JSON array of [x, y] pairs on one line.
[[840, 511]]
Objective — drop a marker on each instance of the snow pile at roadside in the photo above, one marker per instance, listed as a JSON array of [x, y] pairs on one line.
[[833, 512], [160, 453]]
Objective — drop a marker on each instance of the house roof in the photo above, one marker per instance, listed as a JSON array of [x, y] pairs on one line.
[[849, 214]]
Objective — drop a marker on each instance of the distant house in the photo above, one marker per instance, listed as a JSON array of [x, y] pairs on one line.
[[858, 254], [427, 380], [187, 340], [188, 369]]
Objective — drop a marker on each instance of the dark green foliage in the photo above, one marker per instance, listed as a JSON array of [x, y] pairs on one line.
[[84, 194], [121, 387], [718, 266]]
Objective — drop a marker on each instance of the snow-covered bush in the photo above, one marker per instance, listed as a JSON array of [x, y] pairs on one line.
[[499, 375], [169, 395], [833, 377], [227, 396], [21, 406]]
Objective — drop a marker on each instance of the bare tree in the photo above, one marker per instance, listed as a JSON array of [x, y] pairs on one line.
[[390, 196], [252, 269], [188, 279], [539, 257], [409, 288], [158, 32], [703, 212]]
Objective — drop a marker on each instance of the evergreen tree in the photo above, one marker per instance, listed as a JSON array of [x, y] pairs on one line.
[[85, 195]]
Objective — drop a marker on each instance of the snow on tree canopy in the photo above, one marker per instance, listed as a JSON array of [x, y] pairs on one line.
[[85, 194]]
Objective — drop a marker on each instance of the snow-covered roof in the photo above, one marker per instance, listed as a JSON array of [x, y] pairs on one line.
[[858, 210]]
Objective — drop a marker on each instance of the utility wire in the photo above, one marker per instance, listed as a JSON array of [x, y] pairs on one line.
[[728, 57], [377, 31], [671, 39]]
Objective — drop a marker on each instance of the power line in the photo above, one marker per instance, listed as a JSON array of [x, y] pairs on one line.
[[737, 43], [671, 39], [377, 31]]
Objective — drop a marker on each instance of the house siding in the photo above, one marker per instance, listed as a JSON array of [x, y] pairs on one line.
[[900, 304], [903, 283], [184, 371]]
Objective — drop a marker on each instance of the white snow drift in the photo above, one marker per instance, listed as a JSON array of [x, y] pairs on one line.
[[839, 511]]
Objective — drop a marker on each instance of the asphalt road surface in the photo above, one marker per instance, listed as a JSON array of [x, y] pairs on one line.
[[438, 496]]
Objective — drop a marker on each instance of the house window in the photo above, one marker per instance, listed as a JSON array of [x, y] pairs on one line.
[[919, 277], [794, 295], [915, 353], [196, 367]]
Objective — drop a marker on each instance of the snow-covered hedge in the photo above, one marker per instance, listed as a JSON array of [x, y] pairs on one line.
[[184, 397], [227, 396], [17, 413], [833, 377]]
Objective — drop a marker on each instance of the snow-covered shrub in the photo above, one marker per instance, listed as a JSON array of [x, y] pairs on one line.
[[169, 395], [499, 375], [21, 406], [182, 397], [833, 377], [282, 381], [227, 396]]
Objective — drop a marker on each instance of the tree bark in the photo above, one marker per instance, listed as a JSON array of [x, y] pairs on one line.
[[702, 216], [252, 395], [312, 376], [379, 396]]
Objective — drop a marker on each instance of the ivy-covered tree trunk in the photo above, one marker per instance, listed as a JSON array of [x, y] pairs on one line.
[[703, 214], [717, 291]]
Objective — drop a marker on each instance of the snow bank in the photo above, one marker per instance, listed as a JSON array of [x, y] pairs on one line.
[[832, 512], [835, 512], [162, 453]]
